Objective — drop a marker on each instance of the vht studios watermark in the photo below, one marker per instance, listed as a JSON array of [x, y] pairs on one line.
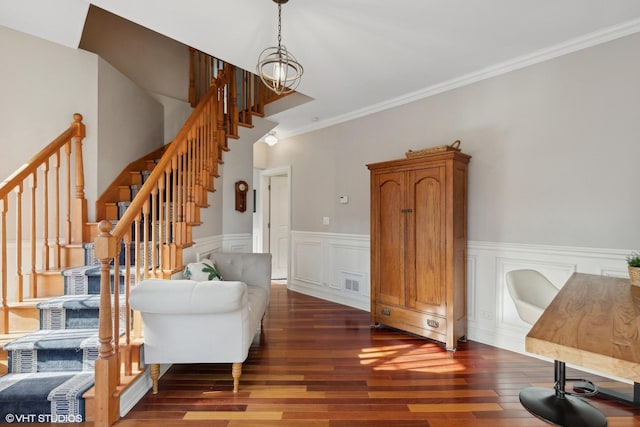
[[41, 418]]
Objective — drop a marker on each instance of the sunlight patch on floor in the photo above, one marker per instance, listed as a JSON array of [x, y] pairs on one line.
[[408, 357]]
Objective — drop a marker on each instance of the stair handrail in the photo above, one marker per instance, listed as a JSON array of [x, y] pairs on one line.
[[186, 170], [75, 214], [181, 177]]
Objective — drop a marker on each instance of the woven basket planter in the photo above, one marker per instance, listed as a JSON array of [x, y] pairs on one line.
[[634, 275]]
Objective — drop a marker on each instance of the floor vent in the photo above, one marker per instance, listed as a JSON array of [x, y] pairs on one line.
[[352, 285]]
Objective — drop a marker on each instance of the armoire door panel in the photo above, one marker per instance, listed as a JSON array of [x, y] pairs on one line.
[[429, 236], [390, 228]]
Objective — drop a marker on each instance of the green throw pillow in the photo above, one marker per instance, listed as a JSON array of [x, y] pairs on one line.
[[202, 271]]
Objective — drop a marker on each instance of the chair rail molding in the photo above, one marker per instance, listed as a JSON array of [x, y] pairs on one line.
[[331, 266], [324, 264], [493, 318]]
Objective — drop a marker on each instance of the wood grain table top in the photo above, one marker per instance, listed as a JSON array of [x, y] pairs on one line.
[[593, 322]]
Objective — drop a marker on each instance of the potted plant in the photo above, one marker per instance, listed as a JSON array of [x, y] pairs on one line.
[[633, 261]]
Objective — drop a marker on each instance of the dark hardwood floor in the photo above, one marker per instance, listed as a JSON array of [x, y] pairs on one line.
[[320, 364]]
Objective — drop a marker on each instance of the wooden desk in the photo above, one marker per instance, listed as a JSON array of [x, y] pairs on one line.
[[593, 322]]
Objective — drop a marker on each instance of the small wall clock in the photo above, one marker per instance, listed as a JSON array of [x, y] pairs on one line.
[[241, 196]]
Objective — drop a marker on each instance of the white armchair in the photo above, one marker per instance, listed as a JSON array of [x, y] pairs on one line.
[[531, 292], [186, 321]]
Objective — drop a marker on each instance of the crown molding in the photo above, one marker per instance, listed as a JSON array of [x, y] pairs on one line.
[[542, 55]]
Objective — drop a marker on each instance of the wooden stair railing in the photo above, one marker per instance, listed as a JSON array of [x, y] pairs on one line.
[[247, 94], [156, 226], [54, 174], [153, 231]]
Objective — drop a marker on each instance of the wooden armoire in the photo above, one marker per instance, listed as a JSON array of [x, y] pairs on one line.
[[419, 245]]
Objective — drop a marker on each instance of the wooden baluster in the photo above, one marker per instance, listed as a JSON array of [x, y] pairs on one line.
[[154, 231], [189, 179], [79, 202], [206, 166], [106, 366], [56, 219], [180, 199], [115, 306], [174, 210], [201, 178], [264, 92], [215, 151], [67, 222], [33, 278], [136, 227], [223, 134], [167, 216], [45, 216], [203, 76], [233, 102], [211, 166], [4, 321], [197, 188], [162, 236], [192, 77], [19, 278], [127, 309], [145, 239]]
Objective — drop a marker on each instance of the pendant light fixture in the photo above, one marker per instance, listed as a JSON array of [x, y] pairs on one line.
[[277, 67], [271, 139]]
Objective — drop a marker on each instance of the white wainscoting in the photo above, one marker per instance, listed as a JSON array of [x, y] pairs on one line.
[[331, 266], [322, 264], [220, 243], [492, 315]]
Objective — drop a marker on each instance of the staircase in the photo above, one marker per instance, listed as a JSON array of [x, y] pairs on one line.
[[74, 367], [50, 370]]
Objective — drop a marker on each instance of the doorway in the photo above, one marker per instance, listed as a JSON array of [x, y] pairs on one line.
[[274, 219]]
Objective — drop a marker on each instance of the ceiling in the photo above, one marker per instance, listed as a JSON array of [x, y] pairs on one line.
[[359, 56]]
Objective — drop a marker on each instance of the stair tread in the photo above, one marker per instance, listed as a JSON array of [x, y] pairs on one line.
[[5, 338], [75, 302], [26, 303], [33, 388], [48, 339], [45, 394]]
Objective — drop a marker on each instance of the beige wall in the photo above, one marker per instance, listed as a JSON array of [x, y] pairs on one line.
[[156, 63], [131, 123], [555, 153], [43, 84]]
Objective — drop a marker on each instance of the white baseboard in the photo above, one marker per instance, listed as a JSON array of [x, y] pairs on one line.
[[321, 264], [137, 390]]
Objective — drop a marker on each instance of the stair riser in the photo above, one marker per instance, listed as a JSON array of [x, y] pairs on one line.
[[50, 285], [24, 319], [72, 255]]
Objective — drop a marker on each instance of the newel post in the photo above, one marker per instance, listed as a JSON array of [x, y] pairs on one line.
[[79, 202], [106, 367]]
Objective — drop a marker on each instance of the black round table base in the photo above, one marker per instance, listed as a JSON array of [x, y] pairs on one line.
[[569, 411]]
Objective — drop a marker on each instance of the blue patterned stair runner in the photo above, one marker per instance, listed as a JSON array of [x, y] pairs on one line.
[[49, 370]]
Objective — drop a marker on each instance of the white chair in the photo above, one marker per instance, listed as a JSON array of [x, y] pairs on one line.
[[186, 321], [531, 292]]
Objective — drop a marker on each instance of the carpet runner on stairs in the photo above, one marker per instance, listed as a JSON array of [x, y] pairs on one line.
[[49, 370]]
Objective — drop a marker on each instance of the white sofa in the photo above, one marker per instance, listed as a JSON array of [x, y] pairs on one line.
[[186, 321]]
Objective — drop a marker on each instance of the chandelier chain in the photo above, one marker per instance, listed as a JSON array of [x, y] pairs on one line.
[[279, 24]]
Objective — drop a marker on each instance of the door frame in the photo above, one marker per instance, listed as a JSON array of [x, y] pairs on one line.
[[261, 242]]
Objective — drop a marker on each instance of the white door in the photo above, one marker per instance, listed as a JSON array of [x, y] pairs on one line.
[[279, 225]]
